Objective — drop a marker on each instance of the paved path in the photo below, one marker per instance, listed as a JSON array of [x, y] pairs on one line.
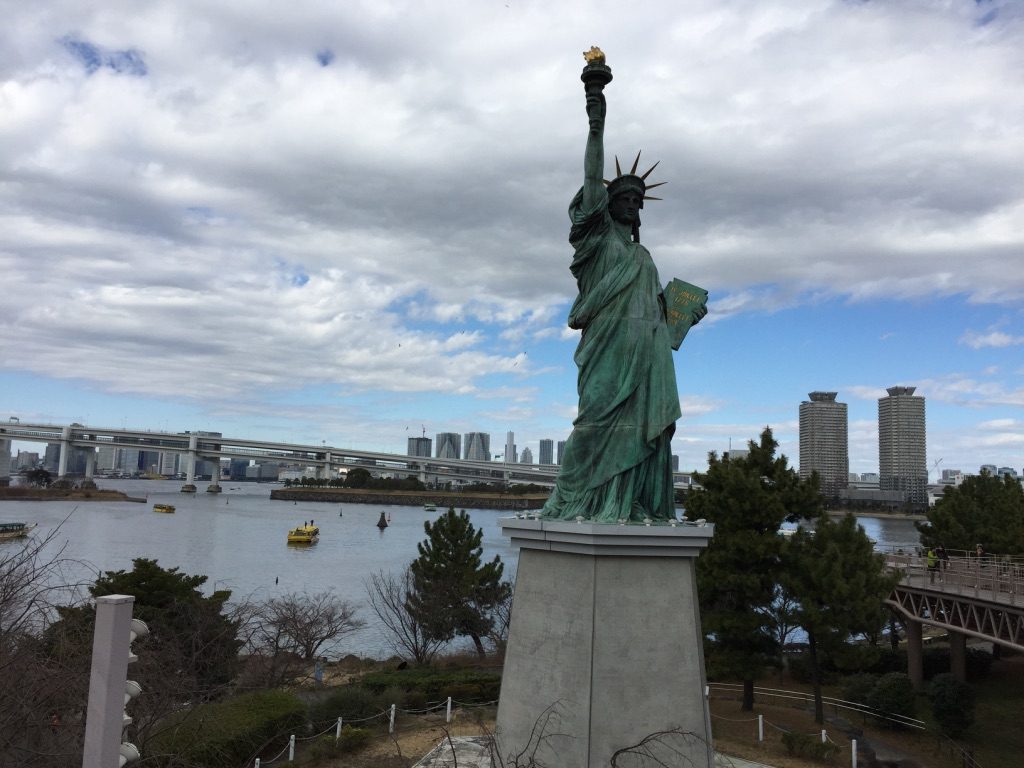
[[471, 752]]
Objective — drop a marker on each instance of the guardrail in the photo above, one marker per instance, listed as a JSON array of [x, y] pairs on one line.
[[997, 577]]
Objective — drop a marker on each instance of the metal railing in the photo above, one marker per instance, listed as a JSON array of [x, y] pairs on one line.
[[993, 577]]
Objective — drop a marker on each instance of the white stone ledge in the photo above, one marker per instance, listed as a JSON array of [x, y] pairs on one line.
[[607, 539]]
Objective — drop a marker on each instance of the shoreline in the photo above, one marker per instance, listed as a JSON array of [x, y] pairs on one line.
[[20, 493], [442, 499], [876, 514]]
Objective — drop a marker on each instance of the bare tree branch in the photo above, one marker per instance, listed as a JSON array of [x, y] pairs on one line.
[[388, 595]]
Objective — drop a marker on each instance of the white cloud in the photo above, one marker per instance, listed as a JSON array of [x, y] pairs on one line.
[[990, 339], [242, 221]]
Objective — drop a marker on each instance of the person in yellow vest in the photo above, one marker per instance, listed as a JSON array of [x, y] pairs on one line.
[[933, 564]]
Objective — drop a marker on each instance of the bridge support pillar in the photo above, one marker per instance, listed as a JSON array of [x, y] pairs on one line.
[[190, 465], [915, 654], [90, 462], [326, 468], [958, 656], [214, 486], [65, 451]]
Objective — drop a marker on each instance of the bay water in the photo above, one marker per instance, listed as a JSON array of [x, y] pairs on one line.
[[238, 540]]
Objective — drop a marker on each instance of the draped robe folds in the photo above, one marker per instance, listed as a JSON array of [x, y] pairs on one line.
[[617, 463]]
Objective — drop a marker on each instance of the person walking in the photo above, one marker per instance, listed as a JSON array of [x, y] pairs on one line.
[[933, 564], [940, 551]]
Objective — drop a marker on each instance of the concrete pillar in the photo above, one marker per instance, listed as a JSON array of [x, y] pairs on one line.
[[214, 486], [327, 466], [65, 451], [90, 462], [605, 646], [915, 653], [190, 465], [958, 656]]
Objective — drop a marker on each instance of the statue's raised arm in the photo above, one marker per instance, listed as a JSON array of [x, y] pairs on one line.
[[596, 75]]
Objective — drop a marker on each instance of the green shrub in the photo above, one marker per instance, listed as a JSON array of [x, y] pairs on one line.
[[894, 695], [952, 704], [352, 740], [809, 747], [352, 702], [229, 732], [466, 685], [936, 662], [858, 688]]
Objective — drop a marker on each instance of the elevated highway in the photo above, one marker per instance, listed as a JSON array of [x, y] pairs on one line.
[[205, 445]]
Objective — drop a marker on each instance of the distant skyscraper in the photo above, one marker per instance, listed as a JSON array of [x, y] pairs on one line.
[[478, 446], [5, 462], [419, 446], [106, 458], [823, 442], [526, 457], [169, 464], [51, 458], [675, 462], [449, 445], [902, 463], [546, 454], [510, 448], [561, 450]]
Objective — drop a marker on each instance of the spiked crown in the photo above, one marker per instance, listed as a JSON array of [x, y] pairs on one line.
[[625, 181]]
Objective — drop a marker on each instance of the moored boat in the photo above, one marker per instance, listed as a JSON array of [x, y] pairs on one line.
[[304, 534], [15, 530], [430, 507], [163, 507]]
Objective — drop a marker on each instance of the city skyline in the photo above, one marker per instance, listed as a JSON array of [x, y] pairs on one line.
[[231, 221]]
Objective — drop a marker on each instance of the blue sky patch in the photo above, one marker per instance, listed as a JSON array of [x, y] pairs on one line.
[[92, 57]]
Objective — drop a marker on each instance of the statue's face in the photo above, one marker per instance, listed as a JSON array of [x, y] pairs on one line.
[[625, 207]]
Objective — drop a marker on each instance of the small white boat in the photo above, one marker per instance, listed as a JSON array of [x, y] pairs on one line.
[[430, 507]]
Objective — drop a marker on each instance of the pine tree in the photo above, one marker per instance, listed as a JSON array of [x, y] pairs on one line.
[[747, 499], [839, 584], [984, 510], [454, 592]]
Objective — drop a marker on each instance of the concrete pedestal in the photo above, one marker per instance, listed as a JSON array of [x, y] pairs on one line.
[[605, 646]]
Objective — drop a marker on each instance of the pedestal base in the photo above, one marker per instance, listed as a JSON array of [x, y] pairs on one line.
[[213, 488], [605, 647], [188, 488]]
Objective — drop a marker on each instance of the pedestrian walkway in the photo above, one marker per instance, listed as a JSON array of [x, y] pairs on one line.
[[472, 752]]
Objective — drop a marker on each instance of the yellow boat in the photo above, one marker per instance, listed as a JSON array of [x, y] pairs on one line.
[[163, 507], [304, 534]]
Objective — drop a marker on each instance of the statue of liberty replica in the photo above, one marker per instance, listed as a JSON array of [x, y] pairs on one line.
[[617, 464], [605, 649]]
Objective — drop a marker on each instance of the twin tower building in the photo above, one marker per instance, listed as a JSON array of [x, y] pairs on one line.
[[902, 463]]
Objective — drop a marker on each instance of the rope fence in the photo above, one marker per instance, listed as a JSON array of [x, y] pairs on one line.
[[943, 743], [395, 725]]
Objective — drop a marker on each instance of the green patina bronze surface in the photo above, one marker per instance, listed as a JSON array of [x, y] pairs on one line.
[[617, 462]]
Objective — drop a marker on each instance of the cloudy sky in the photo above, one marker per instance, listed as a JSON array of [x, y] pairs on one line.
[[346, 221]]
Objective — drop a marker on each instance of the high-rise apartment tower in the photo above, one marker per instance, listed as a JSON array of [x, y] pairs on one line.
[[511, 455], [449, 445], [824, 446], [902, 462], [418, 446], [546, 452], [478, 446]]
